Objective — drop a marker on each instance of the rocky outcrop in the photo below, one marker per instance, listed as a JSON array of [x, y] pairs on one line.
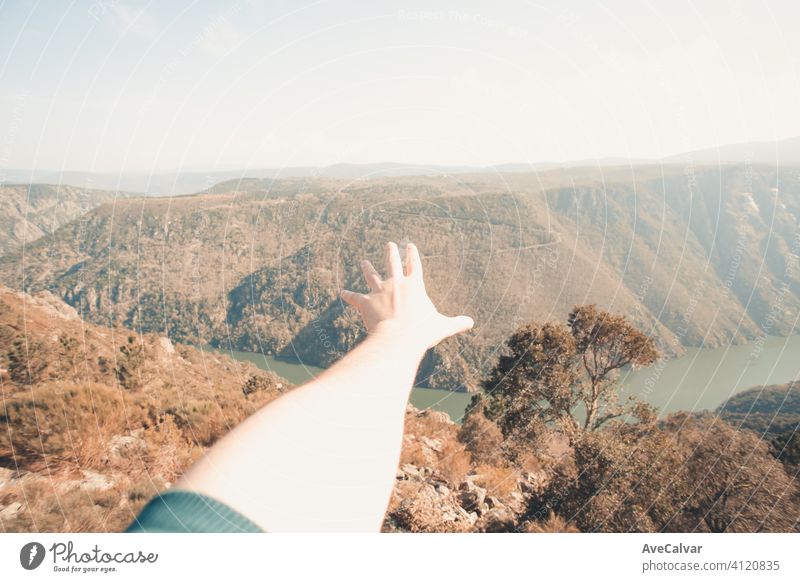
[[430, 503], [430, 496]]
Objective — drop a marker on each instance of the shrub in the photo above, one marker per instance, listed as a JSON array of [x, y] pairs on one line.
[[258, 383], [482, 438], [129, 363], [27, 361], [734, 483], [553, 524], [627, 478], [454, 461]]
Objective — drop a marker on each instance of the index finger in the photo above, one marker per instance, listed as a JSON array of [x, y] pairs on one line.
[[371, 275]]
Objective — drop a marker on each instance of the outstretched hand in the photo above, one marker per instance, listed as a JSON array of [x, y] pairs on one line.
[[399, 307]]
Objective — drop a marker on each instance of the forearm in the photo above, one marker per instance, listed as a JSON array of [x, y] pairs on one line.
[[324, 456]]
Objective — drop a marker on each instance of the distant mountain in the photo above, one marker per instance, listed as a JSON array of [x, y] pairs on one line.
[[28, 212], [180, 182], [781, 153], [190, 181], [785, 152], [699, 259]]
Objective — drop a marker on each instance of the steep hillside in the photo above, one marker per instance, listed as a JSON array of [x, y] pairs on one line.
[[697, 256], [767, 410], [28, 212], [94, 420], [772, 412]]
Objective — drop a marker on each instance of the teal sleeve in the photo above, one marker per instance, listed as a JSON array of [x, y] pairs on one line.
[[178, 511]]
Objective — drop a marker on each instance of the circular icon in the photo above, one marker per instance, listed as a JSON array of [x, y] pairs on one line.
[[31, 555]]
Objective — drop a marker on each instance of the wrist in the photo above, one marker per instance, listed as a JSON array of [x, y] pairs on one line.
[[391, 339]]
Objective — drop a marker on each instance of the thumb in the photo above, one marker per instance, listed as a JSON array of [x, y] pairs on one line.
[[459, 324]]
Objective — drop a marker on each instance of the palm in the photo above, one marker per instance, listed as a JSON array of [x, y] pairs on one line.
[[400, 306]]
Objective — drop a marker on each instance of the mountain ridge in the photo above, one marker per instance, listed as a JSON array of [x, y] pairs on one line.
[[258, 265], [784, 152]]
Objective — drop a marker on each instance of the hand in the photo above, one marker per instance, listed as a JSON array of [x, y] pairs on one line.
[[399, 307]]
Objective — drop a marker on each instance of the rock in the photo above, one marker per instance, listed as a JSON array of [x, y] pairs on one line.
[[166, 345], [472, 500], [469, 483], [498, 520], [532, 482], [449, 515], [410, 470], [438, 479], [53, 305], [492, 501], [518, 502], [425, 503], [93, 481], [434, 444], [123, 445], [436, 415], [6, 475], [10, 511]]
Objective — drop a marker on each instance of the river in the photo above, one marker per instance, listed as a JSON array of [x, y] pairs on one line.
[[453, 403], [700, 379]]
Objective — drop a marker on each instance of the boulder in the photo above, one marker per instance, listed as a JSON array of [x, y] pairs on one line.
[[437, 415], [498, 520], [409, 470], [93, 481], [6, 475], [532, 482], [434, 444], [166, 345], [10, 510], [492, 501], [124, 445], [472, 499]]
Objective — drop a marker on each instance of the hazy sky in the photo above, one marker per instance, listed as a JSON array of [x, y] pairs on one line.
[[110, 85]]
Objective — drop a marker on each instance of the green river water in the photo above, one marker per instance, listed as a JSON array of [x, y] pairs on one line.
[[700, 379]]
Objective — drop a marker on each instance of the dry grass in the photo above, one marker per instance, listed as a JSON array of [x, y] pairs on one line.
[[79, 418], [454, 462], [499, 481], [553, 524]]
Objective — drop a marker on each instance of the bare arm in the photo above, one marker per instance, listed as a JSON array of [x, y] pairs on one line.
[[324, 456]]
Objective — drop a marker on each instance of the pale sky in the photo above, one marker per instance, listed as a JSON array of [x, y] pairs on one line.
[[111, 85]]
